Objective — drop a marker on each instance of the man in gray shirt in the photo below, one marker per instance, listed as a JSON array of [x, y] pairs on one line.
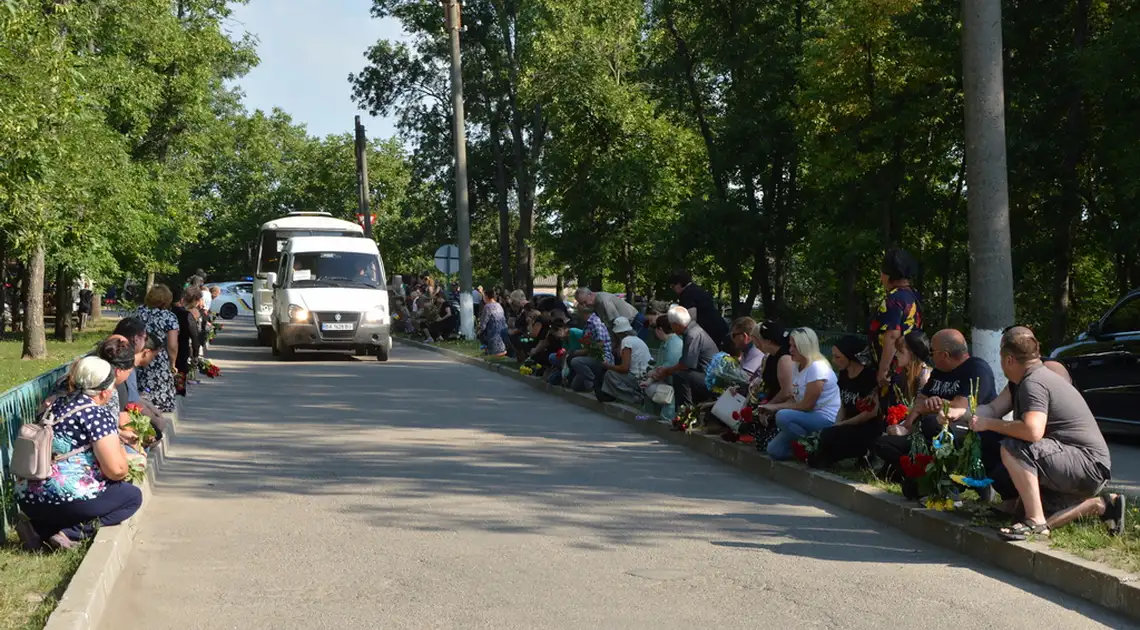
[[1053, 451], [609, 307], [688, 375]]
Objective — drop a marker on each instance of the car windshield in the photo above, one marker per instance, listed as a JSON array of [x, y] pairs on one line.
[[311, 269]]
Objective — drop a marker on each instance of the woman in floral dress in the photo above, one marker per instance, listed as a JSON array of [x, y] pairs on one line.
[[157, 379], [493, 324]]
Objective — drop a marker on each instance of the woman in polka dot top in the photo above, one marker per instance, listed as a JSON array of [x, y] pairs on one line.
[[88, 485]]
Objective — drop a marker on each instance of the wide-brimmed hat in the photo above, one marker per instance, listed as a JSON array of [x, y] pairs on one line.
[[622, 325]]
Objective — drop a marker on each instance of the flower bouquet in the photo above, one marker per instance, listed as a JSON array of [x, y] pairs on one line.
[[805, 447], [209, 368], [687, 418], [136, 470], [969, 471], [594, 349], [141, 425]]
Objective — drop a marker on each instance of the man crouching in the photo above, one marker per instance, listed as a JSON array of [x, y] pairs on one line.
[[1053, 451]]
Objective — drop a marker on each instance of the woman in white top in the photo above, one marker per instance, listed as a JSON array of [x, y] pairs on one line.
[[623, 382], [815, 400]]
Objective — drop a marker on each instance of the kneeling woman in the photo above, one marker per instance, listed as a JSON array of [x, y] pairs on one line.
[[86, 486], [815, 402]]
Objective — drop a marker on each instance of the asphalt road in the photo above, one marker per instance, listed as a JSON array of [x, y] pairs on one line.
[[337, 493]]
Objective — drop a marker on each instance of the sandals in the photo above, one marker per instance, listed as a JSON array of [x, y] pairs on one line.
[[1023, 530], [1114, 514]]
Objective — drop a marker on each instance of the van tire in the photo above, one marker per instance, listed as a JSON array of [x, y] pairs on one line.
[[285, 351], [382, 353], [265, 336]]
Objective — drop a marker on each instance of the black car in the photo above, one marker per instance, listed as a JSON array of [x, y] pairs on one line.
[[1105, 365]]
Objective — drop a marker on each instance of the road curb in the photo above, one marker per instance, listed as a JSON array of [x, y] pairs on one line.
[[85, 598], [1116, 590]]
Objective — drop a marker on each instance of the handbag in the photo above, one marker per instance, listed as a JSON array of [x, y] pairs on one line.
[[660, 393], [728, 404]]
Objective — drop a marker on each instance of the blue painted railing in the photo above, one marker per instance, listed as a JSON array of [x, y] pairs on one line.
[[17, 407]]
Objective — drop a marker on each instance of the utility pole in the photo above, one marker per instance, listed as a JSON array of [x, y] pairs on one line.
[[362, 195], [991, 266], [462, 212]]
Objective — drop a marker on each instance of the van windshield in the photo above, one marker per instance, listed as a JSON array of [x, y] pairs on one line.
[[336, 269]]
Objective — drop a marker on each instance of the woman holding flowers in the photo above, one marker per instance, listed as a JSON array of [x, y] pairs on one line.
[[859, 422], [86, 486], [815, 395]]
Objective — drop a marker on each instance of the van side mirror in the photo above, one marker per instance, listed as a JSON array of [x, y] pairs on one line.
[[1094, 330], [271, 279]]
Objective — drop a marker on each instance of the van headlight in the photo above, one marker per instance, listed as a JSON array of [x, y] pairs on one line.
[[376, 314], [298, 314]]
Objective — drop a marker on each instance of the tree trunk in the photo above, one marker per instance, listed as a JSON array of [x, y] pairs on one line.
[[697, 103], [501, 192], [4, 284], [96, 305], [64, 301], [1070, 211], [20, 299], [991, 267], [35, 341], [149, 284]]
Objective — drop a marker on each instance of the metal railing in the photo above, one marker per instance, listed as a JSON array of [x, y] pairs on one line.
[[18, 407]]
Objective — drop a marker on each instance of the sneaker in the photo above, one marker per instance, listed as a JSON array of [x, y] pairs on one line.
[[28, 536]]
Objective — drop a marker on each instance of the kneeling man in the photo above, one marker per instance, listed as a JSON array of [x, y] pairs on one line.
[[1053, 451]]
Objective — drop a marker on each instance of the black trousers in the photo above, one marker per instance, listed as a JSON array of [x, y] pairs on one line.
[[848, 441], [689, 388], [442, 328], [118, 502]]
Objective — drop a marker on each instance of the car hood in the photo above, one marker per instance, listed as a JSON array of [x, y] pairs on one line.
[[346, 300]]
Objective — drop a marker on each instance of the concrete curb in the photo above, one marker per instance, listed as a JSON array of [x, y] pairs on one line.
[[1116, 590], [85, 599]]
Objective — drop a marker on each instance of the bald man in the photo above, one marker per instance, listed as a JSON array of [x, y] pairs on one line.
[[955, 376]]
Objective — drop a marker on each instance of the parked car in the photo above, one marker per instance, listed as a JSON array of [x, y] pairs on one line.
[[1105, 365], [236, 298]]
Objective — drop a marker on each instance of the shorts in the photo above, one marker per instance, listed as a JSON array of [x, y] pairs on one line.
[[1065, 473]]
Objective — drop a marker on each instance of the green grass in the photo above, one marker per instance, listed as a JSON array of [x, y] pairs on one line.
[[1089, 539], [14, 370], [32, 583]]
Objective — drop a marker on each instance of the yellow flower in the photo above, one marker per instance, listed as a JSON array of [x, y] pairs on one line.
[[941, 505]]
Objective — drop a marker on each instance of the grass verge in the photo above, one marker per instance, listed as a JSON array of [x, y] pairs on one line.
[[1087, 538], [31, 584], [14, 370]]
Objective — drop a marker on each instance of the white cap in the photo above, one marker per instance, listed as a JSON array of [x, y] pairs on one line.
[[621, 325]]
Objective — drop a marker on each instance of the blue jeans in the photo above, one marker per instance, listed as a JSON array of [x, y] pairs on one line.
[[794, 425]]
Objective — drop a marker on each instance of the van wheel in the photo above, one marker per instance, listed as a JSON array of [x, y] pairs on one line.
[[285, 351], [265, 336], [381, 353]]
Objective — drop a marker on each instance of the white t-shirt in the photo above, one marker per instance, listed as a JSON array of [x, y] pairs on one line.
[[639, 356], [207, 300], [829, 399]]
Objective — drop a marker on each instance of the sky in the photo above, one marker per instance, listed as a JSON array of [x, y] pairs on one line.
[[307, 49]]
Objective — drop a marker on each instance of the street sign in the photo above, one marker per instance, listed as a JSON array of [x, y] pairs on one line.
[[447, 259], [360, 219]]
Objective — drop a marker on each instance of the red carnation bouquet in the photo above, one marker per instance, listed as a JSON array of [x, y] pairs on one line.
[[896, 414]]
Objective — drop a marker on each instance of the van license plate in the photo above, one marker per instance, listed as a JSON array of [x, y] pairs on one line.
[[347, 326]]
